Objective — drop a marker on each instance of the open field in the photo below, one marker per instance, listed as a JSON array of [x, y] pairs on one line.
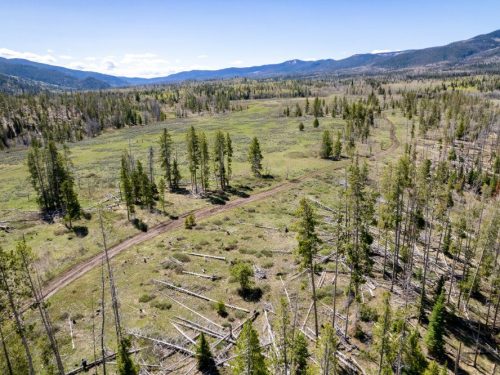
[[288, 152]]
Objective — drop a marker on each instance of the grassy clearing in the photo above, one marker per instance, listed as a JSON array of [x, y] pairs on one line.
[[288, 153]]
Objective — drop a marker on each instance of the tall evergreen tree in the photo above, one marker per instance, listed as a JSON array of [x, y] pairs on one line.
[[308, 246], [326, 351], [206, 363], [193, 154], [125, 363], [337, 147], [166, 145], [126, 185], [414, 362], [382, 336], [229, 158], [435, 331], [176, 175], [299, 354], [326, 145], [255, 157], [161, 194], [219, 153], [249, 359], [204, 161], [72, 209]]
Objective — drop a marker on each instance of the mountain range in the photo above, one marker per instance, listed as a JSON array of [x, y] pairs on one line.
[[478, 54]]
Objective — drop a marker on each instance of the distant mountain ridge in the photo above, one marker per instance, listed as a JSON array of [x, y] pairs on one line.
[[480, 52]]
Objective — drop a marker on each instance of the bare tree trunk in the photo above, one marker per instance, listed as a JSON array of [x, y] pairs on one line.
[[335, 287], [47, 324], [18, 321], [457, 361], [103, 318], [313, 284], [5, 351], [114, 298]]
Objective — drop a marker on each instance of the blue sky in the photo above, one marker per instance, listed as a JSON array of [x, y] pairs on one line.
[[154, 38]]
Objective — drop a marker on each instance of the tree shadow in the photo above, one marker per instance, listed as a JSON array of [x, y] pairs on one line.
[[250, 294], [81, 231], [466, 332], [217, 197], [139, 224], [181, 191], [239, 193]]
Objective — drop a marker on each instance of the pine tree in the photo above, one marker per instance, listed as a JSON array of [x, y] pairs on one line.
[[435, 331], [432, 369], [307, 247], [176, 175], [193, 154], [166, 145], [126, 185], [255, 157], [204, 161], [413, 361], [382, 337], [242, 272], [125, 363], [72, 209], [337, 147], [219, 154], [206, 363], [300, 355], [161, 194], [229, 159], [326, 350], [326, 145], [48, 171], [249, 358], [283, 338]]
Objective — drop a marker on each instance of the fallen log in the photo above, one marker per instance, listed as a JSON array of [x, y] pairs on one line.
[[191, 293], [210, 277], [165, 343], [97, 362], [207, 256]]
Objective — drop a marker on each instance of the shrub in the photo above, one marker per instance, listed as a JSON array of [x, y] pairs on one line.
[[190, 222], [162, 305], [181, 257], [301, 126], [220, 307], [146, 298], [367, 313]]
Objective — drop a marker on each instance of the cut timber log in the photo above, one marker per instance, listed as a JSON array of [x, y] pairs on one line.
[[207, 256], [165, 343], [210, 277], [189, 292]]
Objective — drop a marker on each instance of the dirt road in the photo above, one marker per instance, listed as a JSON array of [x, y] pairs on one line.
[[79, 270]]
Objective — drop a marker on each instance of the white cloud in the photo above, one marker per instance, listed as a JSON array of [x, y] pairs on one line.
[[236, 62], [201, 57], [11, 54], [375, 51], [146, 65]]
